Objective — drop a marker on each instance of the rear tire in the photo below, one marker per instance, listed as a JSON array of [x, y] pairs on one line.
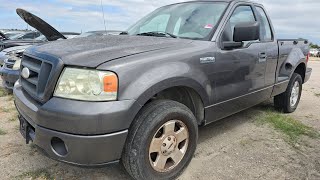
[[288, 101], [160, 123]]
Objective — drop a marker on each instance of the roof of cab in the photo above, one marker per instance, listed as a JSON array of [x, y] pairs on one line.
[[228, 1]]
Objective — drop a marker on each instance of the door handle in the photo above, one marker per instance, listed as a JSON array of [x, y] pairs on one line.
[[263, 57]]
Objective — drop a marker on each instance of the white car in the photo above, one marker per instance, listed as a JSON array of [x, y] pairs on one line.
[[315, 52]]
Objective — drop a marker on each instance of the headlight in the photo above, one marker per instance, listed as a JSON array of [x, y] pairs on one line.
[[87, 85], [17, 65]]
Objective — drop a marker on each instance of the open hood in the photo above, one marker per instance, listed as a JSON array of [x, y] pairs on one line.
[[47, 30]]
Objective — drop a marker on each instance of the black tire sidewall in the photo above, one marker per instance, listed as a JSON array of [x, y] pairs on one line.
[[146, 132], [295, 77]]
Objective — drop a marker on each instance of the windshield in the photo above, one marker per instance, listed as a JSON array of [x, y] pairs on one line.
[[194, 20], [9, 35], [15, 36]]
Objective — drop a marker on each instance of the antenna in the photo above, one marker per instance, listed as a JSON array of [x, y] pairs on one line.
[[104, 20]]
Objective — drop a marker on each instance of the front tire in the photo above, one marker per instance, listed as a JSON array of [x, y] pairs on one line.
[[289, 100], [161, 141]]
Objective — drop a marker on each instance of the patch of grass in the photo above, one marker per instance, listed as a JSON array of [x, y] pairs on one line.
[[7, 110], [17, 127], [33, 149], [292, 128], [3, 92], [11, 98], [309, 116], [317, 94], [3, 132], [13, 119], [37, 174], [244, 142]]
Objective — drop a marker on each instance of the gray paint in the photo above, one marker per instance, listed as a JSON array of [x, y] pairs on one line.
[[236, 80]]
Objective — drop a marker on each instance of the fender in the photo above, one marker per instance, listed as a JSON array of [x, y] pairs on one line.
[[286, 70], [168, 75], [294, 59]]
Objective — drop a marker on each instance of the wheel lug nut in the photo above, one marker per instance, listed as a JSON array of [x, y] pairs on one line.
[[164, 144], [169, 138], [164, 152]]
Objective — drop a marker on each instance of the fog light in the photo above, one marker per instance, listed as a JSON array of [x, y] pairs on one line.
[[59, 147]]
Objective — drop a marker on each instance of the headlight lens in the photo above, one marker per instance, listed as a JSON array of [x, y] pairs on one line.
[[87, 85], [17, 65]]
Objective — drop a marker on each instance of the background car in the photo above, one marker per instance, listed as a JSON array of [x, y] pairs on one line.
[[10, 60], [99, 33], [21, 39], [26, 35], [314, 52], [11, 33]]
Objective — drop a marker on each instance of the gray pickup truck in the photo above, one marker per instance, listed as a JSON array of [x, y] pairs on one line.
[[139, 97]]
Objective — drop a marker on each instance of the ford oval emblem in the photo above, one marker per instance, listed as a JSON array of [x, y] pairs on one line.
[[25, 73]]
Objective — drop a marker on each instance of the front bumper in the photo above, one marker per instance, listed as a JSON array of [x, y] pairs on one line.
[[94, 133], [9, 77], [95, 150]]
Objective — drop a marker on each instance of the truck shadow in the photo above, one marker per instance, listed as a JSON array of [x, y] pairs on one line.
[[228, 124]]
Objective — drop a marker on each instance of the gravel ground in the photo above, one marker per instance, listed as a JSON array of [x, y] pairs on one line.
[[237, 147]]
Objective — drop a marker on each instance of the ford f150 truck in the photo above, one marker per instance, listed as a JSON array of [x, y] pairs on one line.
[[140, 97]]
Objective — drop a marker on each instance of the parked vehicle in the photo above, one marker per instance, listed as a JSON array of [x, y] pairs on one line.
[[99, 33], [10, 34], [315, 52], [21, 40], [10, 60], [68, 35], [11, 57], [141, 97]]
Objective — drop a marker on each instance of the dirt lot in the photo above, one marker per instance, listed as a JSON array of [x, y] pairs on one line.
[[258, 143]]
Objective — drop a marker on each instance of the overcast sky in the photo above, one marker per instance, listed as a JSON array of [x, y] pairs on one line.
[[291, 18]]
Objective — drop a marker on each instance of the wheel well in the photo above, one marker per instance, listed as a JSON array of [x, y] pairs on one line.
[[186, 96], [301, 69]]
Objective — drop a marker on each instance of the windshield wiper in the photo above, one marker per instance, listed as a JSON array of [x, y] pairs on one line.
[[157, 34]]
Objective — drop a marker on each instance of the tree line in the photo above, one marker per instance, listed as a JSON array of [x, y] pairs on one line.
[[314, 46]]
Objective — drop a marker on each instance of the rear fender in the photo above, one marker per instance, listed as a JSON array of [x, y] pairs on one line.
[[295, 58]]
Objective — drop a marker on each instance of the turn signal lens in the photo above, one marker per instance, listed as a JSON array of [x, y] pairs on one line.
[[110, 83]]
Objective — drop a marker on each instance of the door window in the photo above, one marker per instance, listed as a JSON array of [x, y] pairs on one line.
[[240, 15], [265, 28]]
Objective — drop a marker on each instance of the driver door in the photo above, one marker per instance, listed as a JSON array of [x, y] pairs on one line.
[[240, 72]]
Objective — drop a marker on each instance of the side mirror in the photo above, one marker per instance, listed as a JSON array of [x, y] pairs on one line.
[[248, 31]]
